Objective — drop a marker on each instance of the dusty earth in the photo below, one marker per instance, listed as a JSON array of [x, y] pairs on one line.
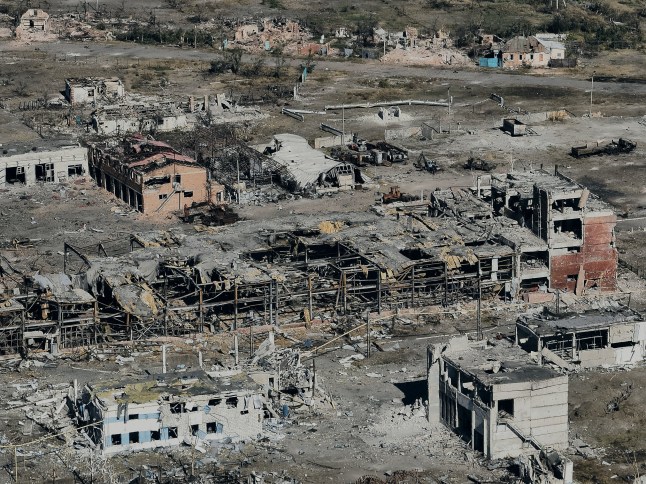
[[371, 429]]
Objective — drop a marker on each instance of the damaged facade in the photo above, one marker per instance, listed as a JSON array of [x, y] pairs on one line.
[[497, 399], [562, 235], [167, 410], [151, 176], [531, 51], [35, 19], [444, 250], [138, 118], [27, 166], [595, 338], [93, 90], [306, 169], [540, 50]]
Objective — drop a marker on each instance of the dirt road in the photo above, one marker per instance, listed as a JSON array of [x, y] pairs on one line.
[[492, 78]]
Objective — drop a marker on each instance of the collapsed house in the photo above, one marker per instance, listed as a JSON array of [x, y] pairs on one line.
[[151, 176], [269, 32], [306, 169], [494, 396], [27, 165], [614, 336], [166, 410], [93, 90], [34, 20]]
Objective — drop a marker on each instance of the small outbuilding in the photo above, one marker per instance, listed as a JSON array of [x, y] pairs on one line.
[[35, 19]]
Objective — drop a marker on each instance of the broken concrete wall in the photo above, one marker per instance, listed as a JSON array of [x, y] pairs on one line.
[[597, 258], [208, 417], [540, 413], [56, 165], [596, 358], [402, 133], [115, 125]]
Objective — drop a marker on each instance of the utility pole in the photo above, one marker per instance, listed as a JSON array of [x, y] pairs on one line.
[[343, 124], [448, 99], [478, 315], [368, 333], [313, 376], [238, 172], [591, 89]]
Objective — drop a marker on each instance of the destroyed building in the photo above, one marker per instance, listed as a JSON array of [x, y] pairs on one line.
[[563, 236], [577, 227], [305, 169], [494, 396], [448, 249], [121, 119], [151, 176], [59, 316], [265, 34], [165, 410], [594, 338], [34, 19], [27, 165], [88, 90]]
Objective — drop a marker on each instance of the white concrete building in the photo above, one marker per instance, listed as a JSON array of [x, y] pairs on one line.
[[93, 89], [35, 19], [496, 398], [302, 168], [28, 166], [138, 118], [615, 336], [170, 409]]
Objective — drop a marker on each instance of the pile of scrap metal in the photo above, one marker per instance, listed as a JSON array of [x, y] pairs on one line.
[[479, 164], [361, 153], [622, 145], [395, 195], [209, 214]]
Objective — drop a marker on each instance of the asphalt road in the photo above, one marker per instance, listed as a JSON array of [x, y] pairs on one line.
[[474, 75]]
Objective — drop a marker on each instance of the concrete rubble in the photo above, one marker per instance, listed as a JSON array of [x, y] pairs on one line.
[[230, 298]]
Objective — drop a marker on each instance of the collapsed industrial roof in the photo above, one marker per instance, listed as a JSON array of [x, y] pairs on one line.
[[307, 166]]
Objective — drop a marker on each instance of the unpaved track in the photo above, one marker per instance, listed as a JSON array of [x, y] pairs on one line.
[[488, 78]]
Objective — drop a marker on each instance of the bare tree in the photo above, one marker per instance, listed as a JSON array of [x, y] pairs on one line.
[[20, 88], [255, 67], [366, 30], [279, 60]]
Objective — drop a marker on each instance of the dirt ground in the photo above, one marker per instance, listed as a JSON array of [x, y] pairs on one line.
[[369, 431]]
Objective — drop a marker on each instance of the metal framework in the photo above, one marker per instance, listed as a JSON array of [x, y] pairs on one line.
[[294, 278]]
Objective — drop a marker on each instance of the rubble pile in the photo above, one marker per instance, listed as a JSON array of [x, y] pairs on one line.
[[47, 407], [426, 57]]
